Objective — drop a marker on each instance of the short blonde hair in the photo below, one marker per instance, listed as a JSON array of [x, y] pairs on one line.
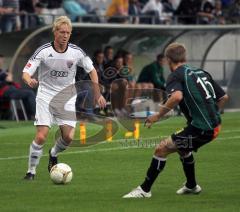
[[176, 52], [61, 20]]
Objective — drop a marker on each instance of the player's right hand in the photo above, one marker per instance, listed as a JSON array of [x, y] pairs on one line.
[[150, 120], [32, 83], [101, 102]]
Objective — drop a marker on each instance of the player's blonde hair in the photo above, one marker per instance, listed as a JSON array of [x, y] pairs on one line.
[[176, 52], [61, 20]]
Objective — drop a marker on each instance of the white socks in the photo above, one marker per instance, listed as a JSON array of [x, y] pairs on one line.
[[59, 146], [35, 153]]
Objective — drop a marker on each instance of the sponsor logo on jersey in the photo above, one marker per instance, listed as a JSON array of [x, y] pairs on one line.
[[54, 73], [69, 63], [28, 65]]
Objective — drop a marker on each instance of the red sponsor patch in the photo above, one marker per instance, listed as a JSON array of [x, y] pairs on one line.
[[28, 65]]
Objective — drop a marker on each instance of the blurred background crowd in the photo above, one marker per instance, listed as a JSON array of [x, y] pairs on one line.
[[24, 14]]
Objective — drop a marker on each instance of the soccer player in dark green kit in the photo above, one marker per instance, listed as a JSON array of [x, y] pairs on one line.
[[200, 98]]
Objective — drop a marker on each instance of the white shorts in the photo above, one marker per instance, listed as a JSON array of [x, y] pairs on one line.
[[47, 115]]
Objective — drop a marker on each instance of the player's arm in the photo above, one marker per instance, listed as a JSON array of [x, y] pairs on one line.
[[30, 69], [172, 102], [174, 89], [31, 82], [94, 77], [221, 102], [86, 63]]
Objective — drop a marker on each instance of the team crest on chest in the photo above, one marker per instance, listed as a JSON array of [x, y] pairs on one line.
[[69, 63]]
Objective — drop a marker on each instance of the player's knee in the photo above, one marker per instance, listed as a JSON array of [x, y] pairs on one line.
[[40, 138], [161, 150]]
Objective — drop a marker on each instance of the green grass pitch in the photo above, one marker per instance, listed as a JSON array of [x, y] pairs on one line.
[[103, 173]]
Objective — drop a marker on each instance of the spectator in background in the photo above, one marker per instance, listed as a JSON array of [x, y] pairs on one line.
[[154, 8], [42, 13], [4, 10], [117, 11], [12, 90], [234, 12], [168, 7], [108, 56], [126, 71], [27, 9], [53, 8], [98, 62], [205, 15], [73, 9], [134, 10], [187, 11], [154, 74], [10, 21], [118, 85], [218, 13], [52, 4], [86, 4]]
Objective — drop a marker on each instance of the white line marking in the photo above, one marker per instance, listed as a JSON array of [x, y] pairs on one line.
[[105, 149], [75, 152]]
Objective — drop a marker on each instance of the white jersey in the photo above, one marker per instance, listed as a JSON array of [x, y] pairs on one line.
[[56, 71]]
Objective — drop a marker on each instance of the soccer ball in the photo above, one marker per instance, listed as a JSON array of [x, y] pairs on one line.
[[61, 173]]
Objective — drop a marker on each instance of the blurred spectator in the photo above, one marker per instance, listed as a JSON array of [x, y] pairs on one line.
[[174, 3], [117, 85], [98, 62], [218, 13], [10, 21], [73, 9], [85, 97], [154, 9], [127, 71], [86, 5], [187, 11], [52, 4], [168, 6], [43, 14], [53, 8], [117, 12], [27, 10], [143, 2], [234, 12], [134, 10], [154, 74], [94, 7], [4, 10], [108, 56], [12, 90], [205, 15]]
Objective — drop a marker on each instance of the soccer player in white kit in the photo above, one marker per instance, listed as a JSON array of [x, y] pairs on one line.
[[57, 63]]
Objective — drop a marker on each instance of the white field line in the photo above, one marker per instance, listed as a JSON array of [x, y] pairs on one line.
[[103, 149], [75, 152]]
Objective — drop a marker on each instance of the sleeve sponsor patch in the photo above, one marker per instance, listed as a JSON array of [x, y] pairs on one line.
[[28, 65]]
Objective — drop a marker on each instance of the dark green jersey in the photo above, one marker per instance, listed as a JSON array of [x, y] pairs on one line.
[[200, 96]]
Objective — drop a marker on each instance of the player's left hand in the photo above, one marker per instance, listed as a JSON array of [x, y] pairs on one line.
[[150, 120], [101, 102]]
